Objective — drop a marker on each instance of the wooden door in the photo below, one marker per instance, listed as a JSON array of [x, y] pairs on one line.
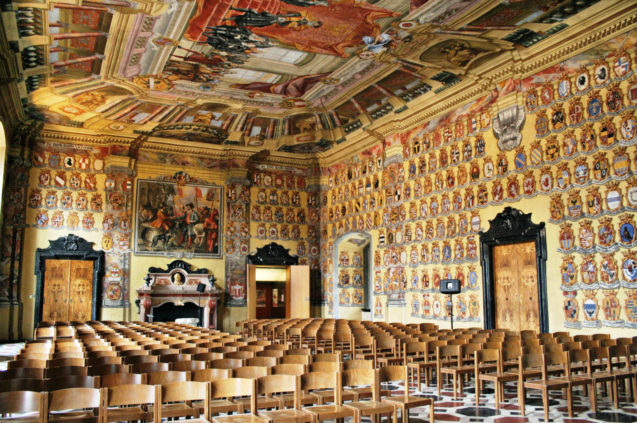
[[68, 290], [298, 305], [516, 286], [80, 289], [271, 300], [56, 290]]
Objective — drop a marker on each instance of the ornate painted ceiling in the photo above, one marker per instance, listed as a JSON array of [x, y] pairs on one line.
[[288, 75]]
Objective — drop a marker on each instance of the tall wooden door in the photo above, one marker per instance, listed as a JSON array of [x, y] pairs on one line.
[[68, 290], [516, 286]]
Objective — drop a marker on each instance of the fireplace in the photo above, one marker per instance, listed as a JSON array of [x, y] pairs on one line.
[[169, 312], [179, 292]]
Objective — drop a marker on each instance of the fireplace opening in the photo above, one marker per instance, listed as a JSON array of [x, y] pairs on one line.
[[168, 312]]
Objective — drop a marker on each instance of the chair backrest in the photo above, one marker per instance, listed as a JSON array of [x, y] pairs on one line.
[[234, 387], [288, 369], [270, 353], [362, 377], [116, 379], [334, 357], [38, 364], [149, 367], [65, 382], [261, 361], [127, 395], [180, 392], [323, 380], [239, 355], [138, 359], [226, 363], [250, 372], [207, 375], [295, 359], [188, 365], [36, 385], [22, 373], [325, 366], [487, 356], [98, 361], [358, 364], [273, 384], [63, 401], [106, 369], [394, 373], [167, 376], [65, 371], [67, 354], [207, 356], [17, 402], [173, 358]]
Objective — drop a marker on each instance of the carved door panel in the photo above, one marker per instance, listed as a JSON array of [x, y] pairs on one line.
[[68, 290], [80, 289], [516, 289], [56, 290]]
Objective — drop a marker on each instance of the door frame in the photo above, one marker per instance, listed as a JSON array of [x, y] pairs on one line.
[[512, 226], [70, 247]]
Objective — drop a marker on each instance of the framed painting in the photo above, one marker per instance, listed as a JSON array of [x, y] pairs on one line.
[[178, 216]]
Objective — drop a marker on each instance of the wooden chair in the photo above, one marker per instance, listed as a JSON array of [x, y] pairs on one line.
[[457, 370], [325, 366], [325, 382], [373, 407], [177, 401], [116, 379], [545, 382], [622, 371], [330, 357], [405, 401], [207, 356], [222, 393], [74, 405], [131, 402], [67, 354], [173, 358], [22, 406], [280, 387], [99, 361], [488, 367], [580, 360]]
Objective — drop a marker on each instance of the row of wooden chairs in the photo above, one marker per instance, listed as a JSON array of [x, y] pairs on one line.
[[271, 398]]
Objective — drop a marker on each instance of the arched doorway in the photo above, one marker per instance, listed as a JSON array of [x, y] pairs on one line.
[[352, 271]]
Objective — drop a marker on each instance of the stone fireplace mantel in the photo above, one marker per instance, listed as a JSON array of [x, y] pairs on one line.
[[178, 285]]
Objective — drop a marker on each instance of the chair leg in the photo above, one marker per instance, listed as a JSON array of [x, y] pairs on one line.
[[404, 413], [478, 392], [593, 395], [432, 413], [521, 395], [496, 396], [569, 400], [545, 402]]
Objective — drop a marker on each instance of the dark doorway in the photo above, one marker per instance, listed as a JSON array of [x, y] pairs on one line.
[[271, 300]]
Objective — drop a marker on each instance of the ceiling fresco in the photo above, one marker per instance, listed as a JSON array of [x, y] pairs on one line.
[[290, 75]]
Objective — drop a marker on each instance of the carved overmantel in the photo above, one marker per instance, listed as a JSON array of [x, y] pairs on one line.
[[178, 285]]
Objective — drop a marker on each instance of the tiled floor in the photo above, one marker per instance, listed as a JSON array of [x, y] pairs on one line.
[[463, 409]]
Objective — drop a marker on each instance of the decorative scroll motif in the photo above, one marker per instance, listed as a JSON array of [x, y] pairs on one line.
[[273, 254]]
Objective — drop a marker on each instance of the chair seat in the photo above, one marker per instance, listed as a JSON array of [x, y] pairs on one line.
[[370, 407], [497, 376], [457, 370], [224, 406], [330, 411], [306, 398], [410, 402], [328, 396], [262, 401], [179, 410], [553, 383], [358, 393], [287, 415], [128, 413], [239, 418]]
